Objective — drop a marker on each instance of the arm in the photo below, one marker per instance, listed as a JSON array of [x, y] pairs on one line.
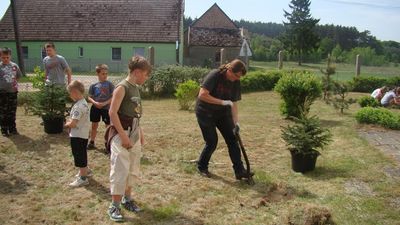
[[235, 113], [69, 74], [118, 95], [142, 140], [72, 123], [105, 103], [205, 96]]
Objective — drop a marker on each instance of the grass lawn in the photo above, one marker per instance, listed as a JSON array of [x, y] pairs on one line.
[[343, 71], [349, 180]]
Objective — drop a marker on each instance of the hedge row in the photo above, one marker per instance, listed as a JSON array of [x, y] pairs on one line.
[[260, 81], [379, 116], [369, 84]]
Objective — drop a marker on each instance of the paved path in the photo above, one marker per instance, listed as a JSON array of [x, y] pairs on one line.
[[386, 140]]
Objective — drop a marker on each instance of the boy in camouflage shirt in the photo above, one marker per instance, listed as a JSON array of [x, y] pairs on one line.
[[9, 75]]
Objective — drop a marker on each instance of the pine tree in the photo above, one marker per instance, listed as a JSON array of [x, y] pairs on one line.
[[300, 36]]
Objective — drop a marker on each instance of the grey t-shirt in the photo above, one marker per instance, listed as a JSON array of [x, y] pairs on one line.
[[388, 97], [55, 69], [9, 73], [80, 112]]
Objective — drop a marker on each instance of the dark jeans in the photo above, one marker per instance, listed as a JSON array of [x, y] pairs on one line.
[[208, 123], [8, 110]]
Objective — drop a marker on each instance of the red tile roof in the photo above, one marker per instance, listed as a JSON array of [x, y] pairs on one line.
[[95, 20], [215, 28]]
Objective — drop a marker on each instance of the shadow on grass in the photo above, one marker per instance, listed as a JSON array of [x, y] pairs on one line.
[[11, 184], [99, 190], [168, 214], [25, 143], [327, 173]]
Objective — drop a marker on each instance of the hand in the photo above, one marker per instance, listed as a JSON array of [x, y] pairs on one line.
[[142, 140], [98, 105], [227, 103], [236, 130], [126, 142]]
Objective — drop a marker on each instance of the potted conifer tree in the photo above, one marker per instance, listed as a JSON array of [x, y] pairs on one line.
[[304, 138], [49, 103]]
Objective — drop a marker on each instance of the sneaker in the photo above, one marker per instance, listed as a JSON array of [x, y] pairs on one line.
[[204, 173], [91, 146], [115, 214], [13, 131], [243, 175], [130, 205], [89, 173], [5, 133], [79, 183]]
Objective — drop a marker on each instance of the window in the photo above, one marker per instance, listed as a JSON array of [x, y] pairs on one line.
[[80, 51], [44, 54], [138, 51], [116, 54], [25, 52]]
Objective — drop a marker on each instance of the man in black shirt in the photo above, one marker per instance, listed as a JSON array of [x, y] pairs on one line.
[[217, 108]]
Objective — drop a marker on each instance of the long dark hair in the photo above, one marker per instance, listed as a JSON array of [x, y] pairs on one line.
[[237, 66]]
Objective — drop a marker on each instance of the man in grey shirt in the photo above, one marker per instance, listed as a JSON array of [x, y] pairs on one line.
[[55, 66]]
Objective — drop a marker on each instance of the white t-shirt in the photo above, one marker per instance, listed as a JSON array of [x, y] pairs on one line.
[[80, 112], [388, 97], [376, 93]]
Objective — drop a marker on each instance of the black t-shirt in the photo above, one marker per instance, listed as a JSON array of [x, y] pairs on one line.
[[219, 87]]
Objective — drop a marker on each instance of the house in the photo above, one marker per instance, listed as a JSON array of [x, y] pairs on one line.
[[204, 39], [87, 33]]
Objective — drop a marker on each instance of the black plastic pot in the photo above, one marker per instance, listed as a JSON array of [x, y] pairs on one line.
[[303, 162], [53, 125]]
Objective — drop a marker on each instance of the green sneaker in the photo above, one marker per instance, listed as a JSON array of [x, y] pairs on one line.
[[115, 214]]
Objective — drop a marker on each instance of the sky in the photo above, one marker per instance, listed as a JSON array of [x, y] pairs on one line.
[[381, 17]]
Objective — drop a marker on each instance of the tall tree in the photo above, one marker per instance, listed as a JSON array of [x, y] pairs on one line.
[[300, 37]]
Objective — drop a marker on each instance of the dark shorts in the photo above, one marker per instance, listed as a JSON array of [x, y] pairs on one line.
[[79, 151], [97, 114]]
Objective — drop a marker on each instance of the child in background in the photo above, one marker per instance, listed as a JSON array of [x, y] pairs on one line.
[[379, 93], [100, 95], [9, 75], [79, 131], [391, 98], [125, 137]]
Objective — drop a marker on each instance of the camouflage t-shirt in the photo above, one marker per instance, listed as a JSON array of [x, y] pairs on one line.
[[9, 74]]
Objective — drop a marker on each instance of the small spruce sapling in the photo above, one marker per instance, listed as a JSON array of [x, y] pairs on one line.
[[327, 80]]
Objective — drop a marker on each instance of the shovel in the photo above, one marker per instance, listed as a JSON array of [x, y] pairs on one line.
[[250, 180]]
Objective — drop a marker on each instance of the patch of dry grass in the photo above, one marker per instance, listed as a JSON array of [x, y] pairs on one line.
[[35, 169]]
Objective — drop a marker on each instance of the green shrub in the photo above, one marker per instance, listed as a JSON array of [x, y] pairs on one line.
[[25, 98], [186, 94], [165, 79], [368, 101], [260, 81], [379, 116], [298, 89], [368, 84]]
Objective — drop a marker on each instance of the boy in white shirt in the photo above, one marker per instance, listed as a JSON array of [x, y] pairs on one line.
[[79, 125]]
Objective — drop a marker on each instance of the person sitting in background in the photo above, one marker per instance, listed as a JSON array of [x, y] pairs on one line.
[[379, 93], [391, 98]]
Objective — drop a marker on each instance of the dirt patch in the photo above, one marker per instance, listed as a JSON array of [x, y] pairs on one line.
[[277, 193], [306, 214], [395, 203], [392, 172], [358, 187]]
